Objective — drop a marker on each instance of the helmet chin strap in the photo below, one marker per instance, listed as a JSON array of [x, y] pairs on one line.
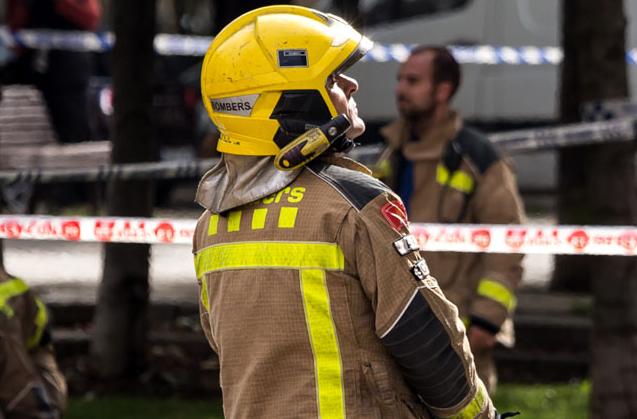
[[312, 143]]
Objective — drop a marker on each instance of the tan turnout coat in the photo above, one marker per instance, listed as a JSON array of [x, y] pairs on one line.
[[31, 384], [307, 302]]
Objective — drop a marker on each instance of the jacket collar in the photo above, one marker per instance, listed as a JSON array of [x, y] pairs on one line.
[[430, 144], [238, 180]]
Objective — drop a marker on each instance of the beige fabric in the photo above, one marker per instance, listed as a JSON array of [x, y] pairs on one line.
[[495, 200], [236, 180], [257, 320], [485, 366], [31, 384]]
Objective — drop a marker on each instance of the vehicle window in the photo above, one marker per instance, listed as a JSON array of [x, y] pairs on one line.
[[374, 12], [385, 11]]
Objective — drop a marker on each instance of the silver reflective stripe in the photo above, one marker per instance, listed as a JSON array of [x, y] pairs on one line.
[[236, 105], [406, 244]]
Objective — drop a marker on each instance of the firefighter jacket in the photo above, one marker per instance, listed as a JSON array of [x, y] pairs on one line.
[[317, 302], [453, 174], [31, 385]]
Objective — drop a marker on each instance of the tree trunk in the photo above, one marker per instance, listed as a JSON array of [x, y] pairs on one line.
[[597, 186], [119, 342], [594, 68]]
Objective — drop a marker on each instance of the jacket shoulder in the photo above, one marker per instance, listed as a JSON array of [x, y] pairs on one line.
[[356, 187], [474, 144]]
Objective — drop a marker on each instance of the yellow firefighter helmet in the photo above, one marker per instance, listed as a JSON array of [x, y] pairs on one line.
[[263, 79]]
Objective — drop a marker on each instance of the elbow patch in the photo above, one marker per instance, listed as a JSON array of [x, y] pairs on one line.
[[420, 345]]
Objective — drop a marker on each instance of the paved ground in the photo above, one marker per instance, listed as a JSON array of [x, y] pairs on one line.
[[68, 271]]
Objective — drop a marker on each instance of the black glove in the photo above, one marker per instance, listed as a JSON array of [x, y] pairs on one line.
[[505, 415]]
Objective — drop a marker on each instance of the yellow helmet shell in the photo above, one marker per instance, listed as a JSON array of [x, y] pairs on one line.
[[262, 54]]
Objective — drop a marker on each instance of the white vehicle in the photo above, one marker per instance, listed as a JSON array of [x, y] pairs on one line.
[[489, 93]]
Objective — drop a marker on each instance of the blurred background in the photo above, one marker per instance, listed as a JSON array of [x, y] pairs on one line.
[[528, 66]]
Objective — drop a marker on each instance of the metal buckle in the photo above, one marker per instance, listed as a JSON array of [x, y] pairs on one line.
[[406, 244], [420, 270]]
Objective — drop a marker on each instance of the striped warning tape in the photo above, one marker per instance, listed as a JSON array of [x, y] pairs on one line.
[[189, 45], [129, 171], [621, 129], [538, 239]]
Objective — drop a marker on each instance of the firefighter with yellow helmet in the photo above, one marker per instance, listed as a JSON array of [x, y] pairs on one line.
[[31, 384], [313, 292]]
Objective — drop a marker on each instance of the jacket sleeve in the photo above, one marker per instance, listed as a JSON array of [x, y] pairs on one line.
[[497, 201], [415, 322], [22, 392], [204, 306]]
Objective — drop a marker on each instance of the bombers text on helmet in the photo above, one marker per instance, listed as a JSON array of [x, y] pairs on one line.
[[263, 79]]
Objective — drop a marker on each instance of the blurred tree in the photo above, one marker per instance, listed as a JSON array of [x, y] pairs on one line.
[[597, 186], [119, 342]]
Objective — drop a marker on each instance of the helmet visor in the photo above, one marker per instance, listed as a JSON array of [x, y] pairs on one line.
[[363, 48]]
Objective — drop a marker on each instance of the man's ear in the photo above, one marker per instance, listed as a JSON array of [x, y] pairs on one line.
[[443, 92]]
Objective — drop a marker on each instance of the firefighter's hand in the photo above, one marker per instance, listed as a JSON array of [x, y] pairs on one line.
[[480, 339]]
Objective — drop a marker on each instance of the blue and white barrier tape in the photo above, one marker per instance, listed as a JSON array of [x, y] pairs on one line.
[[129, 171], [478, 54], [621, 129], [168, 44], [165, 44], [604, 110]]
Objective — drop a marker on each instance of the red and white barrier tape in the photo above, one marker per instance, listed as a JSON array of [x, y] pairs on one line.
[[98, 229], [538, 239]]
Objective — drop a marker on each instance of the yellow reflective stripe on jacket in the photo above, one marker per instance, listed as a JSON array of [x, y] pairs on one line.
[[496, 291], [254, 255], [204, 294], [382, 169], [459, 180], [8, 290], [327, 358], [312, 259], [40, 324], [287, 217], [234, 221], [476, 406]]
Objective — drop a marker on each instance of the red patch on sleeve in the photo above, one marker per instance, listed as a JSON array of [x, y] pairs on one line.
[[395, 214]]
